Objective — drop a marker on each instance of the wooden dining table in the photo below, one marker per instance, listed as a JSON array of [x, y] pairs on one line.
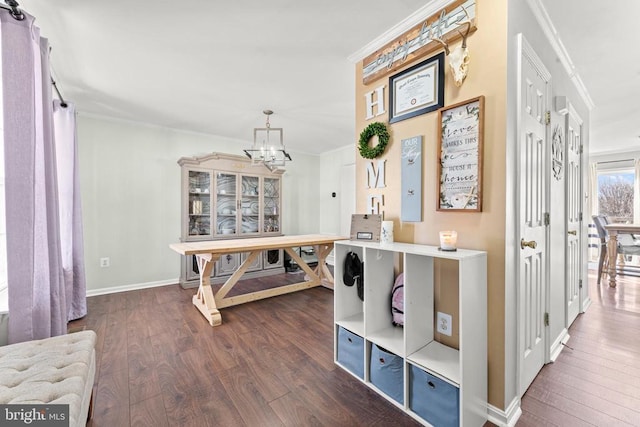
[[614, 230], [207, 252]]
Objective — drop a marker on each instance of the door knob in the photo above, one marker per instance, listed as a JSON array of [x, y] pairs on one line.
[[572, 232], [531, 244]]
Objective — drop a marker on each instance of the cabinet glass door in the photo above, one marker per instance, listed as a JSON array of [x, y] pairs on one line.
[[250, 214], [271, 196], [199, 203], [226, 205]]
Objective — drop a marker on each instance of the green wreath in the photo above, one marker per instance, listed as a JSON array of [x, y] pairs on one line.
[[378, 129]]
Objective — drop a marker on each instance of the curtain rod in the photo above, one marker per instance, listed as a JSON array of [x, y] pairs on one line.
[[63, 103], [12, 6], [615, 161]]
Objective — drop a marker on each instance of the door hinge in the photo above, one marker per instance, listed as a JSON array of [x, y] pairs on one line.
[[580, 216], [547, 117], [580, 283], [580, 149], [547, 219], [546, 319]]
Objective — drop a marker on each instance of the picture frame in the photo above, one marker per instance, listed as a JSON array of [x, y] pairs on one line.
[[460, 148], [366, 227], [417, 90]]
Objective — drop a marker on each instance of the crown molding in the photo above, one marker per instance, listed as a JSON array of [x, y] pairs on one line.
[[549, 30], [397, 30]]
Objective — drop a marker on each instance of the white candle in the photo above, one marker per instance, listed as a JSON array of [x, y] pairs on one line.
[[448, 240]]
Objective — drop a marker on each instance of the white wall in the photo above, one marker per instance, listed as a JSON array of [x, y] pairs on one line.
[[130, 185], [331, 164]]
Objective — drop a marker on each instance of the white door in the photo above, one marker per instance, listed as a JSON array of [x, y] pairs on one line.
[[574, 216], [347, 197], [534, 85]]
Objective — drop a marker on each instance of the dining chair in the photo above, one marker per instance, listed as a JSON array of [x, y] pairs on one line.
[[627, 244]]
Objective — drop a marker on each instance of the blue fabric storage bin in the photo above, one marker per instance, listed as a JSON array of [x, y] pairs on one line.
[[387, 373], [351, 351], [435, 400]]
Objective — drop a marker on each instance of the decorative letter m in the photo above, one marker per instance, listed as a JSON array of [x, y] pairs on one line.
[[375, 180]]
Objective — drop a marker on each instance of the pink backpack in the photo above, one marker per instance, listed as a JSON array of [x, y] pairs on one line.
[[397, 301]]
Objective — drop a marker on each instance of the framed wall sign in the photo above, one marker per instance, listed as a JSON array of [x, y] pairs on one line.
[[460, 145], [417, 90]]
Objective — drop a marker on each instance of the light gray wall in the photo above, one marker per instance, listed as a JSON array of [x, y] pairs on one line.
[[331, 164], [521, 20], [130, 185]]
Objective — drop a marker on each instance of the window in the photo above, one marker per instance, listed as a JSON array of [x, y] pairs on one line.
[[616, 194]]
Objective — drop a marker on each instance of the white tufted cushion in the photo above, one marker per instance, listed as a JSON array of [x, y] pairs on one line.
[[53, 370]]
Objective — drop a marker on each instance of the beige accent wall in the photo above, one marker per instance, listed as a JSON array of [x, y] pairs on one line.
[[482, 231]]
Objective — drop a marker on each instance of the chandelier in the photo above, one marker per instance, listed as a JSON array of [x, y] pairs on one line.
[[268, 146]]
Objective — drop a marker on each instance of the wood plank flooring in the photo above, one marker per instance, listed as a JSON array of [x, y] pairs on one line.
[[271, 364], [596, 379]]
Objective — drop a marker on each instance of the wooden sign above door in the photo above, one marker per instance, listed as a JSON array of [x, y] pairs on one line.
[[419, 40]]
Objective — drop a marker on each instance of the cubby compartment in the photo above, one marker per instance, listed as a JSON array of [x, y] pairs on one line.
[[386, 373], [350, 352], [436, 384], [348, 307], [379, 277], [433, 399]]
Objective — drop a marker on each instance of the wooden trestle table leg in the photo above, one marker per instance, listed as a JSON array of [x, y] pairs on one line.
[[322, 252], [203, 299]]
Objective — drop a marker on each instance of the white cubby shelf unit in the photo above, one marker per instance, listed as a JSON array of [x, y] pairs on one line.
[[370, 321]]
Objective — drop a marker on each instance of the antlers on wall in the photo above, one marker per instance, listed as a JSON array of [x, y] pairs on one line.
[[458, 57]]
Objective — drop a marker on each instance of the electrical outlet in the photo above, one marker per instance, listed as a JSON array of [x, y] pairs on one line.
[[105, 262], [443, 322]]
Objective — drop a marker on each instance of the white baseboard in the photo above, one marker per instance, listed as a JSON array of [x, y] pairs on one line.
[[508, 417], [132, 287], [586, 304], [557, 346]]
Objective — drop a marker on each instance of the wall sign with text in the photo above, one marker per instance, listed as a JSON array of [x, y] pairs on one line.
[[419, 40], [460, 165]]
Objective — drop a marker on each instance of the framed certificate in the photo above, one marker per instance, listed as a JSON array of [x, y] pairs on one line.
[[417, 90]]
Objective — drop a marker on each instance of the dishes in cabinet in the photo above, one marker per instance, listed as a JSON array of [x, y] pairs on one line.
[[249, 225], [225, 206], [226, 224]]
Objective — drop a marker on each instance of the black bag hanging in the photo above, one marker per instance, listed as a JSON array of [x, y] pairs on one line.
[[353, 273]]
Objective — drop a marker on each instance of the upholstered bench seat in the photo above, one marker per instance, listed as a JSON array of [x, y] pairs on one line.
[[57, 370]]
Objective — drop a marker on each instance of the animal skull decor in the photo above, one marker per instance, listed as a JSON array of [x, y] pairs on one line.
[[459, 56]]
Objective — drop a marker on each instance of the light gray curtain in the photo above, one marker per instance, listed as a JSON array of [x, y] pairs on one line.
[[71, 237], [38, 300]]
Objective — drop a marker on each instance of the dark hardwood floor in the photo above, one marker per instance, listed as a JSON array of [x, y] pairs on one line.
[[271, 364], [596, 379]]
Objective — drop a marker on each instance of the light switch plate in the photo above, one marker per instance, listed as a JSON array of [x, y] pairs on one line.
[[443, 322]]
